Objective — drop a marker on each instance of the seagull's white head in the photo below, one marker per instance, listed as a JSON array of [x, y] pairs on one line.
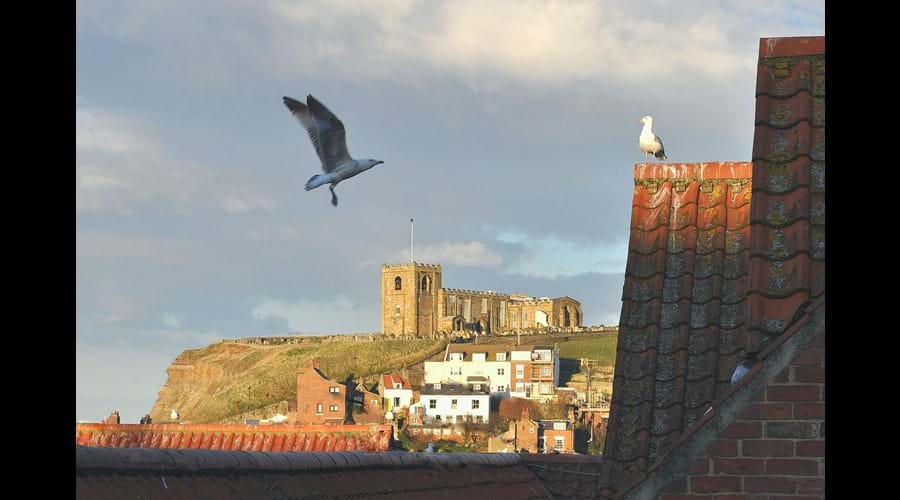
[[367, 164], [647, 120]]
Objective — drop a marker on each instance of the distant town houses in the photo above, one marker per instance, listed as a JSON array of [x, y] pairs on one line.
[[530, 372]]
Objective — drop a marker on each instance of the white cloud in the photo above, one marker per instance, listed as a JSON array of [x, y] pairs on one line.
[[337, 315], [465, 254], [170, 320], [119, 168], [527, 40]]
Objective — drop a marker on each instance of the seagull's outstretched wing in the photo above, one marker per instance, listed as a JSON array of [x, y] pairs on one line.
[[332, 136], [301, 112], [662, 149]]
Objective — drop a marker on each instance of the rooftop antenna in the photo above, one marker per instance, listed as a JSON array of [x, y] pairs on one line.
[[411, 234]]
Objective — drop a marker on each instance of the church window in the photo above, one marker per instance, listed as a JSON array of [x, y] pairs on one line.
[[397, 283]]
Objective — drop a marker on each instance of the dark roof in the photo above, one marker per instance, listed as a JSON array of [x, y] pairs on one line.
[[236, 437], [470, 349], [683, 306], [115, 472], [769, 287]]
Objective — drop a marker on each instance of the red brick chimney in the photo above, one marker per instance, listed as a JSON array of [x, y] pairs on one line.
[[315, 363], [526, 414]]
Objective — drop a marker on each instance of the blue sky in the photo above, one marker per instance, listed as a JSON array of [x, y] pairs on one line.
[[508, 131]]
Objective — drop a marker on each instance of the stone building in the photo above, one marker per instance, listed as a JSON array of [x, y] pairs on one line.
[[414, 303]]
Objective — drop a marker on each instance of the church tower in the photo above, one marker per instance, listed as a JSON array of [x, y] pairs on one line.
[[409, 299]]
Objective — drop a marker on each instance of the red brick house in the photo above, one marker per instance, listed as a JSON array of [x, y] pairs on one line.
[[319, 399], [726, 270]]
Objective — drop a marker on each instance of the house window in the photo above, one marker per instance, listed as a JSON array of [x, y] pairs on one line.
[[545, 371], [456, 356], [501, 371], [432, 404], [319, 409], [437, 386], [437, 418], [455, 371], [397, 283], [476, 404], [334, 390], [452, 404], [559, 444], [332, 408], [398, 385], [501, 356], [479, 419], [457, 419], [476, 387], [520, 387], [396, 401], [520, 371], [501, 388]]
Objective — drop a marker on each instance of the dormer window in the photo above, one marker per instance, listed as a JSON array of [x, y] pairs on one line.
[[437, 386], [398, 385], [501, 356], [477, 387], [397, 283]]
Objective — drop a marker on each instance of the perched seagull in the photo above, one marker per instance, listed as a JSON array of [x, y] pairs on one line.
[[174, 415], [650, 142], [329, 138]]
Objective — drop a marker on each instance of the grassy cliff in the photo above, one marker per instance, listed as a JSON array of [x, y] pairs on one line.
[[223, 379]]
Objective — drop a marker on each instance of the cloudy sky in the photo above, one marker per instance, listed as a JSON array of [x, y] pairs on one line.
[[508, 131]]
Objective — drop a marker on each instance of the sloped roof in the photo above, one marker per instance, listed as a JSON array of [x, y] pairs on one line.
[[788, 214], [777, 284], [683, 306], [236, 437], [115, 472], [390, 379]]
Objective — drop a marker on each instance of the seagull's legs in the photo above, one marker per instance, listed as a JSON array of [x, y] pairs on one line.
[[333, 196]]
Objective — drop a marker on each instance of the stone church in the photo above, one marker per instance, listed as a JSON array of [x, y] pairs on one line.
[[413, 303]]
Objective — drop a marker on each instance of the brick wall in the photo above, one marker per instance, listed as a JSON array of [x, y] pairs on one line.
[[776, 449], [314, 390]]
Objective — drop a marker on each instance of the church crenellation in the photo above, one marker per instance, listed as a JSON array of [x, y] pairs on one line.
[[415, 304]]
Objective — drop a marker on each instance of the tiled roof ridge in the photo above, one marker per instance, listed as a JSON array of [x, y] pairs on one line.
[[195, 459], [674, 461], [791, 46]]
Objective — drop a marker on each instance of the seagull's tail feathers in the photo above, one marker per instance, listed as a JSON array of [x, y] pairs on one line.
[[316, 181], [661, 155]]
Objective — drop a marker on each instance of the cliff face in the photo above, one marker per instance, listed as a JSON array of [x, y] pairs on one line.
[[225, 379]]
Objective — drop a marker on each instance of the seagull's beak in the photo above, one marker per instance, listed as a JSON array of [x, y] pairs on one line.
[[379, 162]]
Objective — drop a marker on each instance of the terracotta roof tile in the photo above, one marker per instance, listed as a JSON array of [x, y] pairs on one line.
[[683, 306], [693, 301], [788, 214], [236, 437]]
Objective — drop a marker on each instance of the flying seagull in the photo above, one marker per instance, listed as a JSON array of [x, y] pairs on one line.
[[328, 136], [650, 142]]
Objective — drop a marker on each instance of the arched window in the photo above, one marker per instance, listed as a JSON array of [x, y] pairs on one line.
[[396, 310], [397, 283], [577, 318], [567, 321], [425, 283]]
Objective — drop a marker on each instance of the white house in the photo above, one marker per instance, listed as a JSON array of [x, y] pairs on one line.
[[455, 403], [520, 371], [463, 361], [396, 391]]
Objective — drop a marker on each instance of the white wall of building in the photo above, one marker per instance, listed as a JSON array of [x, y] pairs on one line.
[[459, 371], [405, 396], [443, 406]]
